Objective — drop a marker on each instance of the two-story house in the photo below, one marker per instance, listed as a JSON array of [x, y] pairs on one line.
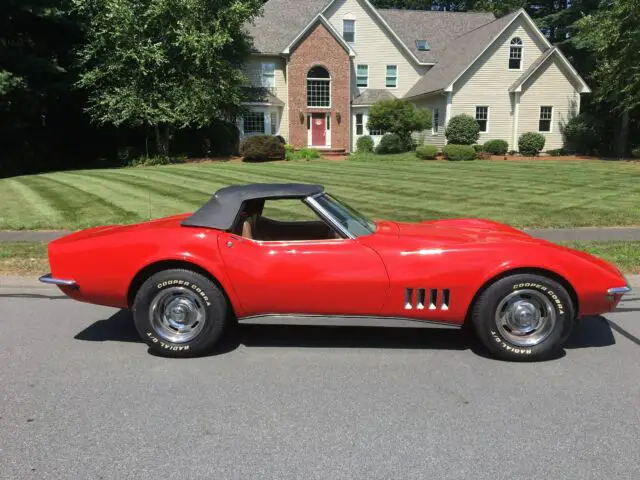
[[325, 62]]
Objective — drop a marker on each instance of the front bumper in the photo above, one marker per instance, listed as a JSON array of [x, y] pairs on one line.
[[619, 290], [48, 279]]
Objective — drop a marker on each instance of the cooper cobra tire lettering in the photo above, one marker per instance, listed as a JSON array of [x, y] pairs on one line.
[[544, 289]]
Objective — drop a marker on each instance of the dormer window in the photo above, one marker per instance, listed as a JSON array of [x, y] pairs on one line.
[[423, 45], [515, 54]]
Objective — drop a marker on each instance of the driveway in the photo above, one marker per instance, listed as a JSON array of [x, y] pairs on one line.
[[82, 398]]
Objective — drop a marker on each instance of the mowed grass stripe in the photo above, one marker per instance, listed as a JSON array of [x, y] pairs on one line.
[[543, 194], [23, 204]]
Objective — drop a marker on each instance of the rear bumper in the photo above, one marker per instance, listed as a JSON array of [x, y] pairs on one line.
[[48, 279]]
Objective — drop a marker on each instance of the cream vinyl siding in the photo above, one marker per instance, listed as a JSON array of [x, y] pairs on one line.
[[254, 73], [549, 86], [375, 47], [487, 82], [434, 101]]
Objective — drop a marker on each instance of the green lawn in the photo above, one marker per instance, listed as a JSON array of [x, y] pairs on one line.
[[521, 193], [26, 258]]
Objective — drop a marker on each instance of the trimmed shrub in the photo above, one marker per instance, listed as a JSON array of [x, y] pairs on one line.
[[391, 143], [364, 144], [556, 152], [496, 147], [262, 147], [478, 148], [583, 134], [531, 144], [281, 139], [635, 152], [458, 152], [462, 130], [400, 117], [426, 152], [144, 161]]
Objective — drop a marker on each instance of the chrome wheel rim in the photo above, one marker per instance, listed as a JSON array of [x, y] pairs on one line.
[[525, 317], [177, 314]]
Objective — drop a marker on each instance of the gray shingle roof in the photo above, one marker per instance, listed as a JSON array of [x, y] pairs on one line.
[[281, 22], [437, 28], [532, 68], [371, 96], [458, 55]]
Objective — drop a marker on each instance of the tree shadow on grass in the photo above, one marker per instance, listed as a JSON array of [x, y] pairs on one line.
[[591, 332]]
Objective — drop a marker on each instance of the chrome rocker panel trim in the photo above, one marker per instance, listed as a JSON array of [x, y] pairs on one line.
[[48, 279], [343, 321]]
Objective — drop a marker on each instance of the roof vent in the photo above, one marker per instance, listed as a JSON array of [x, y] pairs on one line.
[[423, 45]]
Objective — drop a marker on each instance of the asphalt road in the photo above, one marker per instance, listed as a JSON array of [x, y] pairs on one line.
[[81, 398]]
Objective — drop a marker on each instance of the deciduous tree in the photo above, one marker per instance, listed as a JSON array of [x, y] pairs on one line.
[[165, 63]]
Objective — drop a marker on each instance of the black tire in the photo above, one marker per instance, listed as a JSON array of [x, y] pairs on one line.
[[197, 292], [501, 341]]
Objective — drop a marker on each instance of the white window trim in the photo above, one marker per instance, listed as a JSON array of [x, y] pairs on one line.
[[362, 65], [433, 123], [550, 121], [521, 55], [355, 123], [262, 75], [397, 76], [307, 93], [488, 116], [349, 18]]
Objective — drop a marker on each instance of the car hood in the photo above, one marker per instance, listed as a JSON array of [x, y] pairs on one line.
[[460, 231]]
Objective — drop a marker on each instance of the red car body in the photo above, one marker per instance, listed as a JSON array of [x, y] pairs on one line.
[[429, 271]]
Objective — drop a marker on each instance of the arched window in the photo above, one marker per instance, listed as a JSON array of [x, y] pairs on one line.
[[515, 54], [318, 87]]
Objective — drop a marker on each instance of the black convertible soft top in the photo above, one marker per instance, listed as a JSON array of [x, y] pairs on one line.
[[223, 207]]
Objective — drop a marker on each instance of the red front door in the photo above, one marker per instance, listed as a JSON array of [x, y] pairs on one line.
[[318, 129]]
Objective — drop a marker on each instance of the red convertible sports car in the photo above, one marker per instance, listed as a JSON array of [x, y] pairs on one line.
[[185, 277]]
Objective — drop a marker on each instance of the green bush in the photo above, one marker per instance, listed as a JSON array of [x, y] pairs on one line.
[[426, 152], [458, 152], [262, 147], [583, 134], [531, 143], [462, 130], [635, 152], [289, 151], [391, 143], [496, 147], [400, 117], [556, 152], [145, 161], [364, 144], [478, 147], [306, 154]]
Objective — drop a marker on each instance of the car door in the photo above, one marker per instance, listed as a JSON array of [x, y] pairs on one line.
[[337, 276]]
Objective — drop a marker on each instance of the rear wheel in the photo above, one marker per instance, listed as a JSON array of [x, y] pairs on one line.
[[180, 313], [524, 317]]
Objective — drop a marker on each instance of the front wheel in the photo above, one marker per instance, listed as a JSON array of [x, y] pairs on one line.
[[524, 317], [180, 313]]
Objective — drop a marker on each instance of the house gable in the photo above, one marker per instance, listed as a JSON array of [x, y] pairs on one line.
[[486, 83], [375, 47]]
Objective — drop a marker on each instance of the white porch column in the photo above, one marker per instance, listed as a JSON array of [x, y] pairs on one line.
[[516, 121]]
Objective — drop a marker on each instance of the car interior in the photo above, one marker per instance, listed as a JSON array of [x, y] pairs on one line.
[[253, 225]]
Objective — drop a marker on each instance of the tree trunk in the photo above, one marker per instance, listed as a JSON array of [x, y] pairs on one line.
[[163, 139], [622, 136]]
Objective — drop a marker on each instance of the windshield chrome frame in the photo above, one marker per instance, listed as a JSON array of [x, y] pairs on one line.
[[326, 216]]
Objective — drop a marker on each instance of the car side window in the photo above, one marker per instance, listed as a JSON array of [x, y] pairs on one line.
[[289, 220], [288, 210]]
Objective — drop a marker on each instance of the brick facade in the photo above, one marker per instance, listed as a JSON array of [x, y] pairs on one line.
[[319, 47]]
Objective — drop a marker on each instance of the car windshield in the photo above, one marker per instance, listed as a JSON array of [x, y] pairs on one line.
[[352, 220]]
